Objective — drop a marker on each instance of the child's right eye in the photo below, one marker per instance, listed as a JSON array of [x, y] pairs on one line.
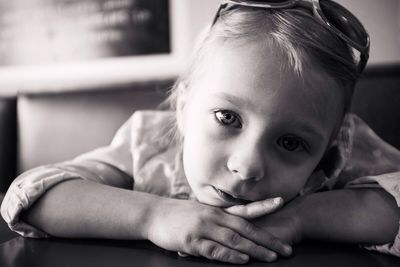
[[228, 118]]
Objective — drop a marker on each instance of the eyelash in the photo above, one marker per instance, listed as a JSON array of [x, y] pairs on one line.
[[301, 143], [220, 115]]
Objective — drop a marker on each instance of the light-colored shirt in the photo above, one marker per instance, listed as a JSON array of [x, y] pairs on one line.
[[143, 157]]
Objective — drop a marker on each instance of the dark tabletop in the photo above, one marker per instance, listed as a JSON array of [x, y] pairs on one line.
[[17, 251], [5, 233], [22, 252]]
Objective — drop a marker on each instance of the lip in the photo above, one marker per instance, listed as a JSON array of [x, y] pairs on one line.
[[230, 197]]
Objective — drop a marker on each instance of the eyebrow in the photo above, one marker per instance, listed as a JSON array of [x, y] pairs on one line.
[[309, 129], [237, 101], [302, 126]]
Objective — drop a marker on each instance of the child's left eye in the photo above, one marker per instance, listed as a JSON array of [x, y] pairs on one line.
[[228, 118], [291, 143]]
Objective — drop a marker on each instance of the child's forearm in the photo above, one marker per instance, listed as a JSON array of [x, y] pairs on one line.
[[79, 208], [369, 216]]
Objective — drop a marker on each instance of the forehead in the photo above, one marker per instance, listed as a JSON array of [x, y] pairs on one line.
[[255, 59], [258, 72]]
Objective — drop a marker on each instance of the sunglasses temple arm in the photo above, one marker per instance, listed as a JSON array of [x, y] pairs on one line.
[[217, 14]]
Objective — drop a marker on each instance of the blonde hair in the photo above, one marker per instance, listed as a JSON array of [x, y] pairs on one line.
[[301, 40]]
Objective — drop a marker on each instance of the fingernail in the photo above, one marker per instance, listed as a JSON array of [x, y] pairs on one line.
[[278, 200], [271, 257], [287, 249], [244, 257]]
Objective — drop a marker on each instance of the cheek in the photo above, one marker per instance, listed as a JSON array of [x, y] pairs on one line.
[[202, 155], [203, 152], [285, 181]]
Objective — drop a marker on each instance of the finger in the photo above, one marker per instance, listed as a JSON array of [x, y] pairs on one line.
[[182, 254], [233, 240], [215, 251], [256, 209], [259, 236]]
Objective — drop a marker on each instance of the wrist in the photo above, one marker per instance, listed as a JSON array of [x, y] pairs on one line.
[[296, 210], [301, 224], [155, 212], [145, 212]]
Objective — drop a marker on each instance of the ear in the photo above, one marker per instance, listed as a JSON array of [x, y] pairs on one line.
[[180, 107]]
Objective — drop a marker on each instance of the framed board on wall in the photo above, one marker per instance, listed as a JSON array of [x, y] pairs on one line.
[[75, 43]]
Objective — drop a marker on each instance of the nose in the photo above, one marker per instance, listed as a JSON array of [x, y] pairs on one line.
[[247, 163]]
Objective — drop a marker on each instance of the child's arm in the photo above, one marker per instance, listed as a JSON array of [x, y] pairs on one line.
[[79, 208], [363, 216]]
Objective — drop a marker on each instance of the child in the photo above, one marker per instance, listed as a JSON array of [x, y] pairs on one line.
[[261, 117]]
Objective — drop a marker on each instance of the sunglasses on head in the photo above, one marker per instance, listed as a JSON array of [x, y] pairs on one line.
[[331, 15]]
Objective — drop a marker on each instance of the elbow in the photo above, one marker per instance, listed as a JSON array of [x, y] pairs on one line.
[[384, 213]]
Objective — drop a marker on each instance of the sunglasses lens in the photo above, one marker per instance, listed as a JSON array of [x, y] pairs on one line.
[[345, 22], [262, 1]]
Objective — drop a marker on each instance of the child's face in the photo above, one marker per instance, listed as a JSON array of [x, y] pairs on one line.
[[253, 130]]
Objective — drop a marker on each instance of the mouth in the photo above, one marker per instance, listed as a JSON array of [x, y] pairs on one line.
[[230, 197]]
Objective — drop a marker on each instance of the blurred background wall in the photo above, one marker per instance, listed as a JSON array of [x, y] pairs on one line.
[[187, 19]]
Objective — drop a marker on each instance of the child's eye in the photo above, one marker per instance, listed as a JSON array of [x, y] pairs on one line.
[[292, 143], [228, 118]]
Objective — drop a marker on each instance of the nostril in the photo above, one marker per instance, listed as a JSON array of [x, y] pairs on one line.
[[256, 178], [247, 176], [245, 171]]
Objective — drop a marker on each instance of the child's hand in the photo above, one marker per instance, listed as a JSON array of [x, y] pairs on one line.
[[285, 224], [200, 230]]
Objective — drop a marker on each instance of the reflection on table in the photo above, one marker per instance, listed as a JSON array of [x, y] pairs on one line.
[[21, 251]]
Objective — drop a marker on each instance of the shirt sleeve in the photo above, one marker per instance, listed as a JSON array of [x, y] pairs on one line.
[[110, 165], [373, 164]]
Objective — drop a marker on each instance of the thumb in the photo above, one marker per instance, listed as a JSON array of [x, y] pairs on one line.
[[256, 209]]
